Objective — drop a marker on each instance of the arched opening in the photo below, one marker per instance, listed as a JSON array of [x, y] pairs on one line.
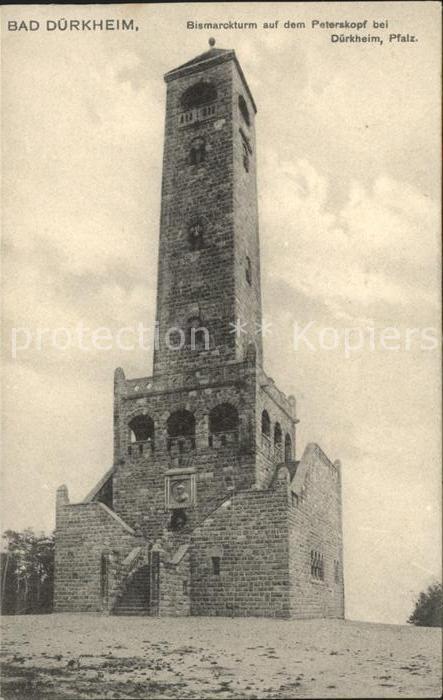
[[197, 153], [266, 442], [278, 441], [244, 109], [141, 434], [198, 94], [266, 425], [181, 430], [288, 448], [223, 425], [142, 428], [317, 566]]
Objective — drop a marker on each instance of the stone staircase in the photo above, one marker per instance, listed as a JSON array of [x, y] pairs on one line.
[[135, 598]]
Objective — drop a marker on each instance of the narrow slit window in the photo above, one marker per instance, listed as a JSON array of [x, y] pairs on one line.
[[288, 448], [248, 270], [198, 151], [247, 150], [266, 425], [216, 566], [244, 109], [195, 235], [245, 157], [104, 575]]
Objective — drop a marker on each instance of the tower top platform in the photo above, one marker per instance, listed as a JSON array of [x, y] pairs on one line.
[[206, 60]]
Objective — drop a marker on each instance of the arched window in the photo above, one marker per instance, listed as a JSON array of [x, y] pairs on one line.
[[278, 440], [288, 448], [317, 566], [198, 94], [223, 425], [248, 270], [181, 430], [141, 434], [197, 153], [244, 109], [266, 424], [197, 335], [195, 235], [142, 428]]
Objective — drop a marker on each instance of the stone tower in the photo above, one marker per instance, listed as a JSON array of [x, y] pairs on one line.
[[205, 509], [209, 263]]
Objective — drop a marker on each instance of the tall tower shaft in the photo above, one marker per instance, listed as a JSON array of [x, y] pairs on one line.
[[209, 263]]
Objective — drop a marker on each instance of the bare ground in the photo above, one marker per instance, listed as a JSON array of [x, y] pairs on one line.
[[53, 657]]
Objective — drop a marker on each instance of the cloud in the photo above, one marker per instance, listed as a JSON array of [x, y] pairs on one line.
[[377, 251]]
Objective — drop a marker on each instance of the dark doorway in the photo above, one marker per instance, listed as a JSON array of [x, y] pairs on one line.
[[135, 599]]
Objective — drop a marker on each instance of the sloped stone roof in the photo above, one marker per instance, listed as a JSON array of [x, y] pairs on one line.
[[211, 53], [211, 56]]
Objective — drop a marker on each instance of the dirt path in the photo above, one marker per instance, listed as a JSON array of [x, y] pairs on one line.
[[88, 656]]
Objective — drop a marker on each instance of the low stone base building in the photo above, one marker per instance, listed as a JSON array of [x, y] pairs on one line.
[[206, 510]]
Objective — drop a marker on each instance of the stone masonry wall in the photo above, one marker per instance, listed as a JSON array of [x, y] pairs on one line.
[[210, 282], [246, 240], [175, 583], [83, 533], [249, 536], [139, 479], [280, 411], [315, 525], [201, 282]]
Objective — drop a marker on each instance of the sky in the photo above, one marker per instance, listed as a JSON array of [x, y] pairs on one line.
[[349, 200]]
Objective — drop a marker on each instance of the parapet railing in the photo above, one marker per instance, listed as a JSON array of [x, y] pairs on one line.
[[140, 447], [181, 443], [223, 438]]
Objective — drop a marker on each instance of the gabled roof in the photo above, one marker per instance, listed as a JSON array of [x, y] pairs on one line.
[[203, 60], [106, 476], [211, 53]]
